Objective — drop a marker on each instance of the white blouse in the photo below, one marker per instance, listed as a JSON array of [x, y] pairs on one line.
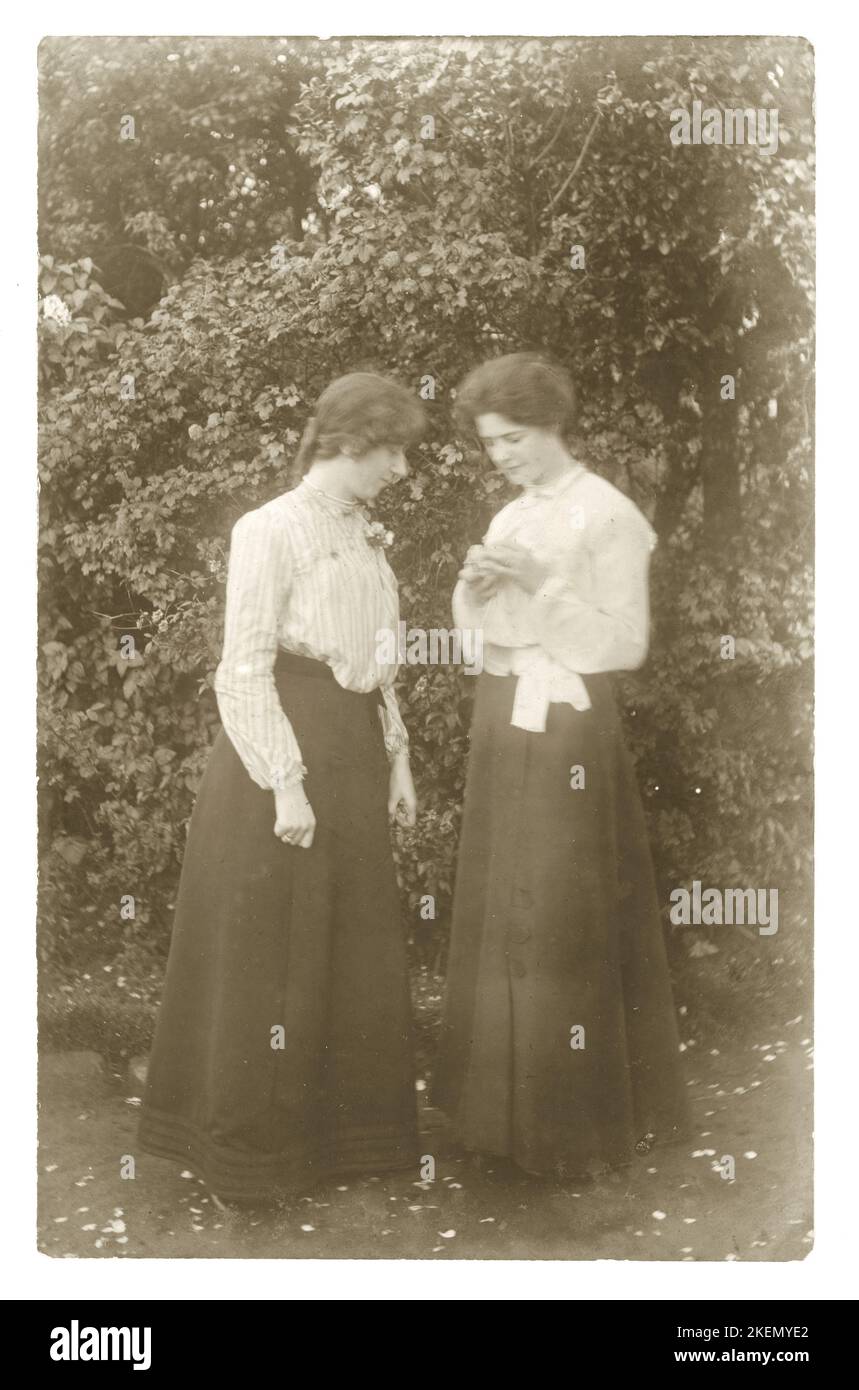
[[591, 613], [303, 575]]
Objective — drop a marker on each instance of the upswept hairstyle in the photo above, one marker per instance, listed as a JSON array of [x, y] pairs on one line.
[[356, 413], [525, 387]]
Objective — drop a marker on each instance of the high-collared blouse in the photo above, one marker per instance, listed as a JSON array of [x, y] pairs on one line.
[[303, 575], [590, 614]]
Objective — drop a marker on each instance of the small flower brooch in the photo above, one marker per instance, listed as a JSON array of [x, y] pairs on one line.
[[377, 535]]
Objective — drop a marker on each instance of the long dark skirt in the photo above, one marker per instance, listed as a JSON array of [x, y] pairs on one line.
[[269, 936], [559, 1045]]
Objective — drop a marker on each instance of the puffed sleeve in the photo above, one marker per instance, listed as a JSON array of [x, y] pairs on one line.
[[607, 628], [250, 709], [396, 735]]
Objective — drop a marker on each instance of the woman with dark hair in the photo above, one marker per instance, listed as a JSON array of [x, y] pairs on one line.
[[283, 1048], [559, 1046]]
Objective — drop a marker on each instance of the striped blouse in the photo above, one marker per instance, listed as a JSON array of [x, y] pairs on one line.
[[303, 575]]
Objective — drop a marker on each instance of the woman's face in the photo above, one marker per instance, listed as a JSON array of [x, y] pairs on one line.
[[376, 469], [526, 454]]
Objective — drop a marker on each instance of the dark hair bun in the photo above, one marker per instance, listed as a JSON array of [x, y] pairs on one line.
[[525, 387]]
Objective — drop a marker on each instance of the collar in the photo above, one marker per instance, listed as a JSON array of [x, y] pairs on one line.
[[335, 503], [534, 493]]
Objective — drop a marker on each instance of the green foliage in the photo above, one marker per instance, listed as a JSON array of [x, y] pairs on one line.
[[358, 242]]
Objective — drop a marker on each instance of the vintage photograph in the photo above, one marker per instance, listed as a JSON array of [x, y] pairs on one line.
[[426, 538]]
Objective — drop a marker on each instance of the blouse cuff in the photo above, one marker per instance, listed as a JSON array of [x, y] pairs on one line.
[[394, 730], [281, 778], [394, 745], [468, 610]]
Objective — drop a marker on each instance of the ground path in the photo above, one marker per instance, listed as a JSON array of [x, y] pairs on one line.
[[751, 1099]]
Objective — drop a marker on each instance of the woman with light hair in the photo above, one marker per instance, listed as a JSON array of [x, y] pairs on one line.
[[283, 1047]]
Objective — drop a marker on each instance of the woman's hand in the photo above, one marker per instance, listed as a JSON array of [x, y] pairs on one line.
[[402, 800], [513, 561], [295, 822], [482, 584]]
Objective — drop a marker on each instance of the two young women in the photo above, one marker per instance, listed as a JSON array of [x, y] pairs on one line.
[[283, 1046]]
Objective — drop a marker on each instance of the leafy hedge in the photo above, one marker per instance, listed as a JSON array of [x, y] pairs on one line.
[[188, 325]]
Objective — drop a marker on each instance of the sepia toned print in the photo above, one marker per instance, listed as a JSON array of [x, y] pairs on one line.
[[425, 648]]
